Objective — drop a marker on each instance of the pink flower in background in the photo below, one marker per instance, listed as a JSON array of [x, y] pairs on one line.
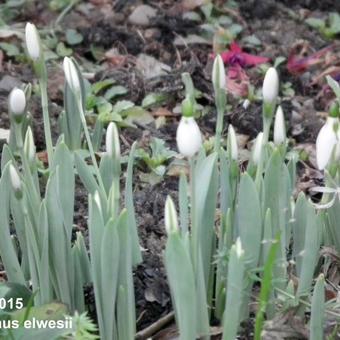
[[237, 78]]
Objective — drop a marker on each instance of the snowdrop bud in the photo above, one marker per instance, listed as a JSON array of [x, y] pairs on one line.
[[29, 146], [325, 142], [238, 248], [270, 88], [171, 221], [33, 42], [257, 150], [218, 74], [17, 103], [232, 143], [15, 181], [112, 141], [71, 75], [188, 137], [279, 127]]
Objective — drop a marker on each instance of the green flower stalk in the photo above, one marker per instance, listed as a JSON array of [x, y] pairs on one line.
[[35, 52], [73, 82], [219, 82]]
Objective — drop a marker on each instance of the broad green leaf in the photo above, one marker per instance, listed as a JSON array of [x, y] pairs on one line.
[[318, 310]]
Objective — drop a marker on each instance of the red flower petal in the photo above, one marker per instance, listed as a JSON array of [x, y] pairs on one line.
[[252, 60]]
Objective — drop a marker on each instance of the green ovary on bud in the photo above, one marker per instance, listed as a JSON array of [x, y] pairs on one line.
[[15, 181], [17, 104], [187, 107], [29, 146], [334, 110], [171, 221], [112, 141]]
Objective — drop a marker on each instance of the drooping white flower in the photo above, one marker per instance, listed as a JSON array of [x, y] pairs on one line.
[[270, 88], [15, 180], [257, 150], [218, 74], [71, 75], [29, 146], [279, 127], [170, 218], [188, 137], [232, 143], [325, 142], [112, 141], [17, 102], [32, 41]]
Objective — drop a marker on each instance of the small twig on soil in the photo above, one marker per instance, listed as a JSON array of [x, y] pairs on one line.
[[155, 327]]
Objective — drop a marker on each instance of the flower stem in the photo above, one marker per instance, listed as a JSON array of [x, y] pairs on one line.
[[219, 128], [90, 146], [47, 127]]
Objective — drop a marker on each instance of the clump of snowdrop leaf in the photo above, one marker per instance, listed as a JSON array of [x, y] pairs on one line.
[[49, 259], [232, 223]]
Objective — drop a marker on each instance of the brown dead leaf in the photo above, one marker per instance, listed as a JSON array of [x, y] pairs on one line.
[[163, 112]]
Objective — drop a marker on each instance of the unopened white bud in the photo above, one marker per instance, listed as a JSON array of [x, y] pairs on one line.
[[325, 142], [71, 75], [270, 88], [171, 221], [238, 248], [112, 141], [188, 137], [32, 41], [17, 102], [232, 143], [279, 127], [29, 146], [257, 150], [15, 181], [218, 74]]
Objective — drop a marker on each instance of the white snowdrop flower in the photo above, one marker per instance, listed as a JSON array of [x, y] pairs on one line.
[[188, 137], [29, 146], [246, 104], [325, 142], [170, 218], [15, 181], [257, 150], [112, 141], [71, 75], [32, 41], [232, 143], [218, 74], [238, 248], [279, 127], [270, 88], [17, 102]]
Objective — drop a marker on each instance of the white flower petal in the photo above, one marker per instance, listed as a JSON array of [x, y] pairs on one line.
[[325, 143], [188, 137], [218, 73], [270, 88], [279, 127], [257, 150], [233, 143], [71, 75], [32, 41], [17, 101]]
